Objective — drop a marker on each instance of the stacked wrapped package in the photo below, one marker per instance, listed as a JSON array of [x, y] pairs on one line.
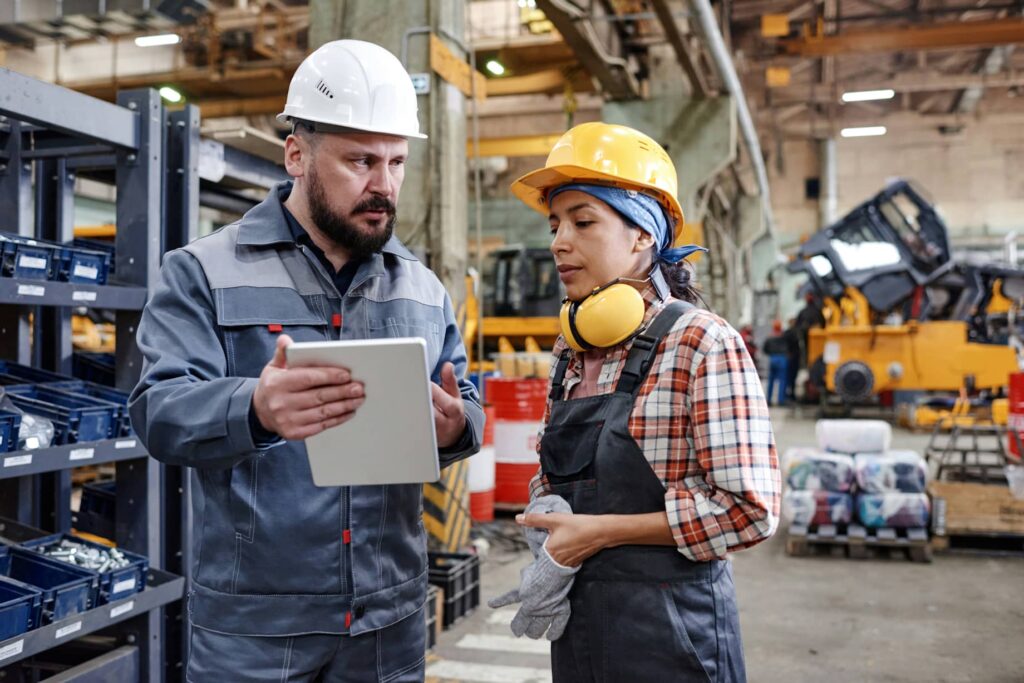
[[853, 477], [818, 487], [891, 490]]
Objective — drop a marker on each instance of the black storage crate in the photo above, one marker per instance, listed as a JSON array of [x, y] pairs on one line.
[[77, 387], [458, 575], [66, 590], [98, 508], [432, 616], [20, 608], [114, 584], [75, 418], [93, 367], [10, 424]]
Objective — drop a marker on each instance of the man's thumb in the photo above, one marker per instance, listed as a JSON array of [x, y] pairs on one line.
[[279, 360], [448, 381]]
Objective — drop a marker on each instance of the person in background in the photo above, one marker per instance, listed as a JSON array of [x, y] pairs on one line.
[[777, 349], [794, 355], [809, 317]]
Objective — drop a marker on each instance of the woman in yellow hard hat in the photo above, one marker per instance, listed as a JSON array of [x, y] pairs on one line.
[[657, 432]]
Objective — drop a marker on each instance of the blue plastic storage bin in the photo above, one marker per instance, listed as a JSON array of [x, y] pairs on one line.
[[75, 418], [93, 367], [10, 423], [66, 590], [20, 608], [84, 266], [15, 373], [77, 387], [5, 559], [26, 258], [97, 245], [114, 584]]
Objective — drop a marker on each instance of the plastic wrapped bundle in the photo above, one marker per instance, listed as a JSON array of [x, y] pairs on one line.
[[854, 436], [815, 508], [894, 510], [811, 470], [903, 471]]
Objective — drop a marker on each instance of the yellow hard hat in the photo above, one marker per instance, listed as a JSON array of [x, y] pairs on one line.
[[609, 154]]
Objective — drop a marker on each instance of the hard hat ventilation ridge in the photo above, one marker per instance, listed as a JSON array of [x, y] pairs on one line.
[[322, 87]]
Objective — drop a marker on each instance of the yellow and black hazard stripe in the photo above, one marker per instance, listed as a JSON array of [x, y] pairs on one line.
[[446, 509]]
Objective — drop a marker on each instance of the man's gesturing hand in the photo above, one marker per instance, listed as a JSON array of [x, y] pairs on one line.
[[449, 413], [297, 403]]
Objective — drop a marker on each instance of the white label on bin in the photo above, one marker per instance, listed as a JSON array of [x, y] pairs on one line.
[[82, 454], [18, 460], [31, 290], [33, 262], [68, 630], [88, 272], [122, 609], [12, 649], [83, 296], [129, 443], [832, 353], [125, 585]]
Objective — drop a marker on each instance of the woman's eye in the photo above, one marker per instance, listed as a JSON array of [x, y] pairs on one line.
[[583, 224]]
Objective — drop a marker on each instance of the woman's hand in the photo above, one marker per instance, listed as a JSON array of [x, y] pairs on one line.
[[572, 539]]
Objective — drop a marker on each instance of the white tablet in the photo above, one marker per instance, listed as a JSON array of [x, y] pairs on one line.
[[391, 439]]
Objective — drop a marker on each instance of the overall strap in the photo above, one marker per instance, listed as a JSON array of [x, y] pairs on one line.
[[645, 348], [557, 390]]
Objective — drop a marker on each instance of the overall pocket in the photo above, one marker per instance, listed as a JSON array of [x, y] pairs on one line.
[[567, 454]]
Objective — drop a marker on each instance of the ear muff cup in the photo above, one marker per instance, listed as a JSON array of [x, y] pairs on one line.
[[607, 317]]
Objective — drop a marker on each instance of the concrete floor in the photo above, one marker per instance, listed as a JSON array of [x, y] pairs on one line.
[[960, 618]]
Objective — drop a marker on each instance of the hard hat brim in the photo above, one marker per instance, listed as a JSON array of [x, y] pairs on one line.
[[532, 188], [286, 118]]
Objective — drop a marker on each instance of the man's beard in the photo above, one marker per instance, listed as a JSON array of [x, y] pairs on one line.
[[358, 242]]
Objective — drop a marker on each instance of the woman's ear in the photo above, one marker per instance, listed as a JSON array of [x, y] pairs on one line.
[[644, 241]]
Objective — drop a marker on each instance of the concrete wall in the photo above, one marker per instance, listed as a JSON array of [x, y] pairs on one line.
[[975, 177], [55, 63]]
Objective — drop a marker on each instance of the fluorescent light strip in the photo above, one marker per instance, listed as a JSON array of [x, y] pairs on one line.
[[161, 39], [170, 94], [863, 132], [868, 95]]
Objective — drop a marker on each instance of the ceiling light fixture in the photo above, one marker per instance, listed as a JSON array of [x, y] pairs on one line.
[[869, 95], [862, 132], [160, 39], [495, 67], [170, 94]]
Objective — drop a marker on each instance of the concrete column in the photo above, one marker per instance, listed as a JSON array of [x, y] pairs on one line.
[[828, 196], [433, 203]]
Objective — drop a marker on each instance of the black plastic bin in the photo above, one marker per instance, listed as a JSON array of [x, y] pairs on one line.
[[93, 367], [458, 575], [77, 387], [97, 511], [75, 418], [20, 608], [114, 584], [66, 590]]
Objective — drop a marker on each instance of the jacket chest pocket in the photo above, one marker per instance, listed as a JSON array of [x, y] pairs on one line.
[[252, 318], [397, 326]]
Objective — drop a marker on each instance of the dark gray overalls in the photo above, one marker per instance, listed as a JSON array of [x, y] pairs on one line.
[[639, 613]]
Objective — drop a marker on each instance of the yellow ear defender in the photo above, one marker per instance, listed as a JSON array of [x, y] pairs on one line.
[[608, 316]]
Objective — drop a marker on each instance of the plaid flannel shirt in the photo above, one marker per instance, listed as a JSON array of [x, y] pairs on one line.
[[702, 422]]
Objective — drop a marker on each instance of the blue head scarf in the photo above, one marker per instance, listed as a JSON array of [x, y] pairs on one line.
[[640, 210]]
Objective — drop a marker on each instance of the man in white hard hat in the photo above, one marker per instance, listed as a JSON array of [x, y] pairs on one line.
[[292, 582]]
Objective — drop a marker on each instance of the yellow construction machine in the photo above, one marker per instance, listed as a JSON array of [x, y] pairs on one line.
[[901, 314]]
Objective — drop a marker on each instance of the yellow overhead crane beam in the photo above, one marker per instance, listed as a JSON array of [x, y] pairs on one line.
[[974, 34]]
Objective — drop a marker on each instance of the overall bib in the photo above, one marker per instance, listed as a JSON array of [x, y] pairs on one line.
[[639, 613]]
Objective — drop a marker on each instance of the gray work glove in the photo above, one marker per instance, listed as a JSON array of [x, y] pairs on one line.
[[544, 584]]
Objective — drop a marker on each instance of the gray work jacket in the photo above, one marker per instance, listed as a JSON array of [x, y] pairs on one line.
[[273, 554]]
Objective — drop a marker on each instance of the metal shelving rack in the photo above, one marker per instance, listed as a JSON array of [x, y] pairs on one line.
[[48, 135]]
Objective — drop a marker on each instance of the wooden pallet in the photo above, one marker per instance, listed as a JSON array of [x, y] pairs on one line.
[[858, 543], [980, 543]]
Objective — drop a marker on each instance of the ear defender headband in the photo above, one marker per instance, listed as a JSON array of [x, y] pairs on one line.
[[609, 315]]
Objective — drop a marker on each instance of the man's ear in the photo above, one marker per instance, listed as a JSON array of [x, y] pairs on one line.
[[296, 155]]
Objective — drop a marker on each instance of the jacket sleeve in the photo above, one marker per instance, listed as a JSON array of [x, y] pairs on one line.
[[184, 408], [454, 351]]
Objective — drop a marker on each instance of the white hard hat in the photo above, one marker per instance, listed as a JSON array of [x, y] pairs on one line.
[[355, 85]]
